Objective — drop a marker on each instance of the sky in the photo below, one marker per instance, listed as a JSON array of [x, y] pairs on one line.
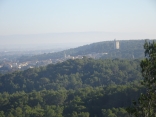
[[40, 22]]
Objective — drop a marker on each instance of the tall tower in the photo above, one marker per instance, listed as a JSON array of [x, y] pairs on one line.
[[116, 44]]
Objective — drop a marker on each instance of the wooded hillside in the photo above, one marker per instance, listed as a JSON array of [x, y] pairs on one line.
[[129, 49], [75, 88]]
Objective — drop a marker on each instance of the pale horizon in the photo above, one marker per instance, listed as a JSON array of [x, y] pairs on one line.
[[80, 22]]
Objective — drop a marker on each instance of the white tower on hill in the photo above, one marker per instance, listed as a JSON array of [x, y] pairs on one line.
[[116, 44]]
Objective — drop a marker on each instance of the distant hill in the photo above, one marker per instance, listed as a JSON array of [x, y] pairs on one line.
[[128, 49]]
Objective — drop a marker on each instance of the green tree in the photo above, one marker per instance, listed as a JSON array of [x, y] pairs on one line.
[[2, 114], [146, 106]]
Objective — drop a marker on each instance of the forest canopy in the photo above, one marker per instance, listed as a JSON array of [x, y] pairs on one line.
[[74, 88]]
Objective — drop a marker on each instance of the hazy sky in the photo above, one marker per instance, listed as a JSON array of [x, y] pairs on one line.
[[128, 19]]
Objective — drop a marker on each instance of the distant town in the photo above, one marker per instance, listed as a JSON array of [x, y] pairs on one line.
[[9, 61], [14, 64]]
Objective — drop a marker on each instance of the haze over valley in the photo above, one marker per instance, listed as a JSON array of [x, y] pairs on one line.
[[64, 40]]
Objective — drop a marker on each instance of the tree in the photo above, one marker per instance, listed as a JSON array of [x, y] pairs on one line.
[[2, 114], [146, 105]]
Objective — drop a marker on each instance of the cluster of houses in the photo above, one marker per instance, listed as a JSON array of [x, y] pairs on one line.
[[24, 65], [12, 66]]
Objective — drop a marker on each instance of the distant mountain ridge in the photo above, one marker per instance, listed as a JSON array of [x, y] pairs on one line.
[[129, 49]]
